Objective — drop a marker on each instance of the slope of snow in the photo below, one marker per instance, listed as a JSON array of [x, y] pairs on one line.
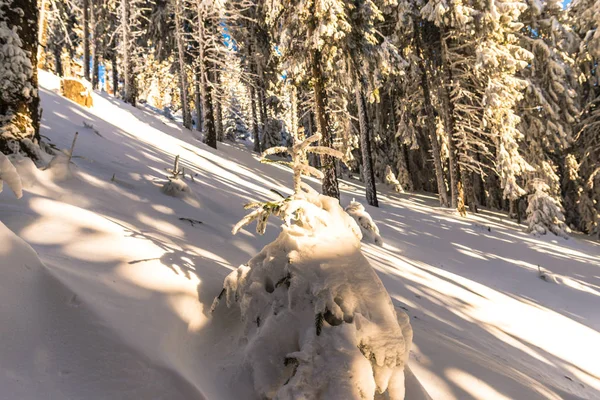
[[121, 302]]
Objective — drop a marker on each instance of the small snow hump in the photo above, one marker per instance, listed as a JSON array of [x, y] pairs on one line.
[[364, 220]]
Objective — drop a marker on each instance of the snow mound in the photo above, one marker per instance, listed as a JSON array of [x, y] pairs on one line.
[[176, 187], [60, 167], [317, 321], [9, 174], [366, 223]]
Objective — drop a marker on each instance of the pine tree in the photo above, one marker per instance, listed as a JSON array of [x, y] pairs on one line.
[[19, 99]]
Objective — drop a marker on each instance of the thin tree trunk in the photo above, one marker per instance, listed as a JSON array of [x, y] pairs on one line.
[[42, 34], [467, 180], [198, 101], [365, 147], [58, 69], [450, 126], [330, 181], [94, 77], [429, 111], [129, 95], [403, 172], [86, 40], [217, 104], [183, 84], [255, 134], [115, 74], [210, 134]]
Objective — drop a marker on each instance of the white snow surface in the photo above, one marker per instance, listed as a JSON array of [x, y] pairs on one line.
[[115, 304]]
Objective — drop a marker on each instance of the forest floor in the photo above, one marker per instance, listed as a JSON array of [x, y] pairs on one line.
[[116, 306]]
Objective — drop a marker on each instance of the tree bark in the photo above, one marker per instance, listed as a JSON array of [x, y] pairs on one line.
[[429, 111], [115, 74], [129, 92], [330, 181], [19, 111], [210, 134], [450, 126], [403, 171], [94, 75], [255, 133], [365, 148], [183, 83], [86, 39], [198, 101], [217, 104], [42, 34]]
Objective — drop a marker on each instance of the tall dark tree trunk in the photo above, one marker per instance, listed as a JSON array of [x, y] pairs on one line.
[[210, 134], [217, 103], [58, 68], [365, 148], [429, 111], [86, 39], [19, 104], [183, 83], [130, 90], [95, 55], [255, 133], [115, 73], [450, 125], [330, 181], [403, 171], [467, 180], [198, 101]]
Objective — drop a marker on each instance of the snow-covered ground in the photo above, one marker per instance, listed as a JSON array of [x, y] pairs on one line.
[[118, 306]]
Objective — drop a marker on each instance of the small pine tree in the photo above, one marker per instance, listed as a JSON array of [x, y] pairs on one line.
[[544, 213]]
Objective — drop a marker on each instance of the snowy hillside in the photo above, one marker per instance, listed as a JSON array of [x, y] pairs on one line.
[[117, 305]]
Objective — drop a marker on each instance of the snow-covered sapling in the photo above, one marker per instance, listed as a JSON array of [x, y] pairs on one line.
[[363, 219], [544, 212]]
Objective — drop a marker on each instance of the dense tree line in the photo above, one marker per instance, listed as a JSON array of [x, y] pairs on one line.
[[488, 104]]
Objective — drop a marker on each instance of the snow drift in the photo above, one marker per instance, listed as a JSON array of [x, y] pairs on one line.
[[317, 321]]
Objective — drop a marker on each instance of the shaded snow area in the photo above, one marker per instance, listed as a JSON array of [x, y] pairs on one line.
[[112, 299]]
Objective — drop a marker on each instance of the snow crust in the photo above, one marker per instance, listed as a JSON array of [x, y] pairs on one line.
[[318, 322]]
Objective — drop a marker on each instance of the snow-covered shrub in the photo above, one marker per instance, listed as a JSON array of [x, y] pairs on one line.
[[545, 213], [175, 187], [391, 180], [78, 90], [363, 219], [317, 321], [9, 174]]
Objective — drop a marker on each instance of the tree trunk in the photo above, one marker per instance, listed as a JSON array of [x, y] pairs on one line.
[[330, 181], [183, 83], [429, 111], [115, 74], [365, 148], [129, 95], [43, 34], [210, 134], [198, 101], [449, 116], [94, 77], [19, 103], [217, 104], [255, 133], [58, 69], [467, 180], [86, 40], [403, 172]]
